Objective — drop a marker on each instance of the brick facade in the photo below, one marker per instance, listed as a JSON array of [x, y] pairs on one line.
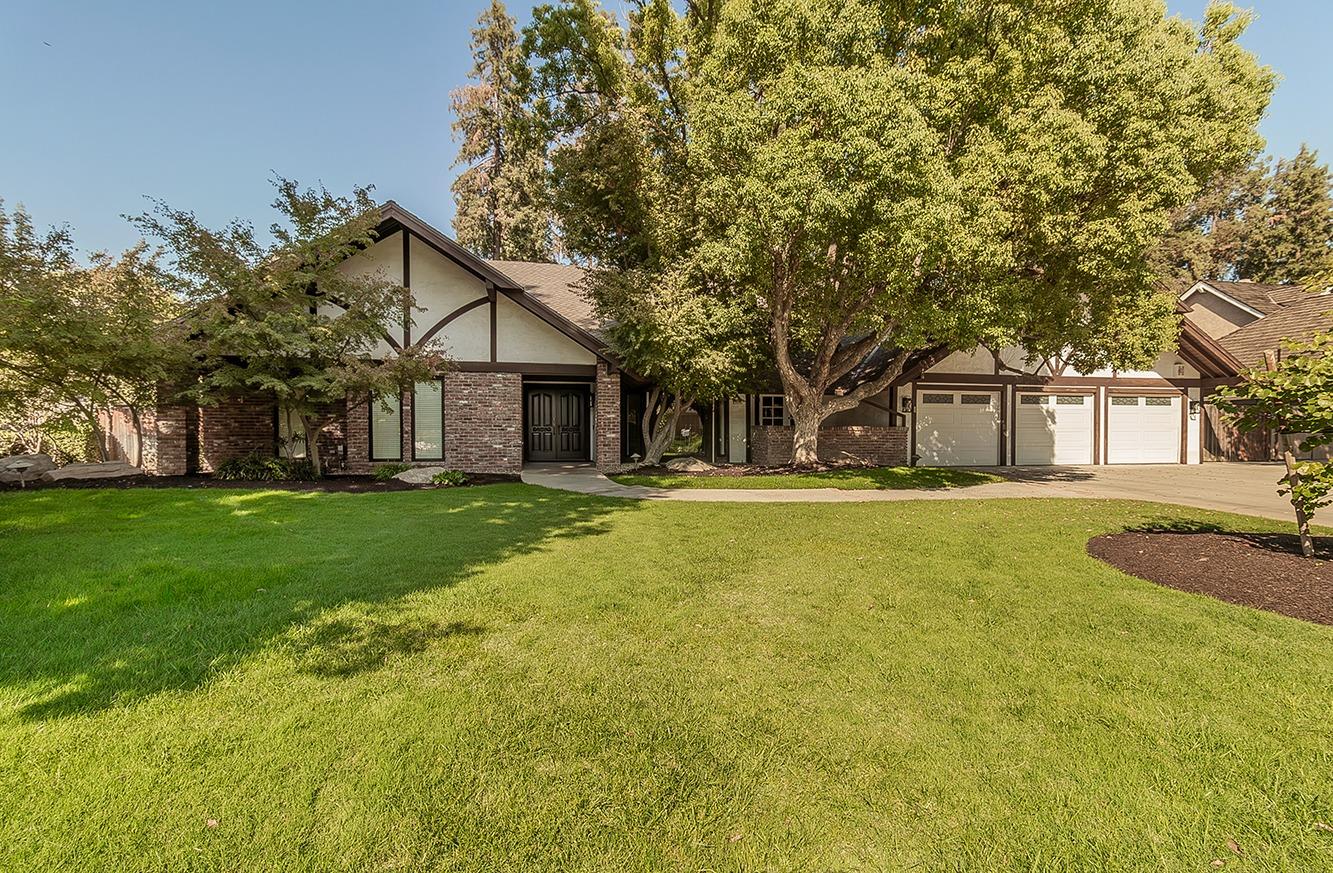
[[233, 428], [607, 425], [483, 422], [880, 446], [165, 430]]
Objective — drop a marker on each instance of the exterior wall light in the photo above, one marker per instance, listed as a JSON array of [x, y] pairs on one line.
[[1195, 406]]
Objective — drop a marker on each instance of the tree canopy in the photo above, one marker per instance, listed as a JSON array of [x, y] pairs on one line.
[[280, 317], [901, 176]]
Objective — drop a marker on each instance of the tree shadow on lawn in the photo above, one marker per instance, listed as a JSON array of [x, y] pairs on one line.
[[108, 597]]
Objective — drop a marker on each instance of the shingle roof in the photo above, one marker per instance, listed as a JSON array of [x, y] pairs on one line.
[[559, 286], [1299, 319], [1263, 296]]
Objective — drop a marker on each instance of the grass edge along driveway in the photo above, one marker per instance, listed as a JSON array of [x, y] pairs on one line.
[[847, 479], [511, 677]]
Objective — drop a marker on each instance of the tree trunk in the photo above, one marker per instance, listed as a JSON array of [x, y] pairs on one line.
[[99, 437], [1293, 480], [805, 439], [663, 430], [138, 436], [312, 428]]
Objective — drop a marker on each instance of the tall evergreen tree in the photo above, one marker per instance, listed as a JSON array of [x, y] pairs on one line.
[[498, 196], [1208, 234], [1289, 233]]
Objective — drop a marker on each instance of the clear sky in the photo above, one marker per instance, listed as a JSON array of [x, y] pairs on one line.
[[199, 103]]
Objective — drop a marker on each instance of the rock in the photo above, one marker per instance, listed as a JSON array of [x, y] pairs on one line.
[[24, 468], [419, 475], [689, 465], [110, 470]]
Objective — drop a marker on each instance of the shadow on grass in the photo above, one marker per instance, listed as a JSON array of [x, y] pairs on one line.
[[110, 596], [1044, 474], [1282, 543]]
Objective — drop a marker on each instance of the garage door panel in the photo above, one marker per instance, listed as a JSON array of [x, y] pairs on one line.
[[958, 428], [1143, 429], [1054, 429]]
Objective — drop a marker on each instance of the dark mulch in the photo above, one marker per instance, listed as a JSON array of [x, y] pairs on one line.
[[1265, 571], [350, 484]]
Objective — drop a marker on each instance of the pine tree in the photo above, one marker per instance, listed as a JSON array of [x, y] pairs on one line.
[[499, 194], [1208, 234], [1290, 232]]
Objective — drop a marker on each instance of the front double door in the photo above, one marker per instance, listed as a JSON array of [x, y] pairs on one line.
[[557, 428]]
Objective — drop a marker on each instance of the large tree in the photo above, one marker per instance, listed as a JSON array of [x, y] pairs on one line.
[[82, 337], [1208, 234], [1289, 231], [280, 317], [499, 203], [899, 176]]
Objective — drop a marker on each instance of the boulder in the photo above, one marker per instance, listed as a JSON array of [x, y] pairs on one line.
[[24, 468], [419, 475], [110, 470], [689, 465]]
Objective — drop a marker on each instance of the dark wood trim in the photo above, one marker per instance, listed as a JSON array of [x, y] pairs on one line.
[[1003, 425], [462, 310], [527, 369], [1096, 427], [393, 217], [407, 283], [1154, 390], [911, 446], [1184, 427], [1013, 432], [557, 321], [1025, 382], [490, 297]]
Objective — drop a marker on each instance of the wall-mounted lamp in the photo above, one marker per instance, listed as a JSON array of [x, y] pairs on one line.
[[1195, 406], [906, 404]]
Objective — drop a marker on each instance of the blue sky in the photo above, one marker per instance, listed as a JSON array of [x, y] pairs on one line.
[[199, 103]]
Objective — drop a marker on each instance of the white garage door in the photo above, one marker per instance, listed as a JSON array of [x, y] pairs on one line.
[[958, 428], [1143, 429], [1054, 429]]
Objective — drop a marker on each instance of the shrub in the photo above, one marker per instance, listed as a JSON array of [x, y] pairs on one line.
[[449, 478], [264, 468], [385, 472]]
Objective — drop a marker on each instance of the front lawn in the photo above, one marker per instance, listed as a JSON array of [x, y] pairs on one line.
[[847, 479], [513, 678]]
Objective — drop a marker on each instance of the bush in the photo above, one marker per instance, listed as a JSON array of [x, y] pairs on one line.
[[449, 478], [264, 468], [385, 472]]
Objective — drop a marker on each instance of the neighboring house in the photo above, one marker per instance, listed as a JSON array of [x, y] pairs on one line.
[[531, 379]]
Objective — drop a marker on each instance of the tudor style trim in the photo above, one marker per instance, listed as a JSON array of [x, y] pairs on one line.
[[461, 310]]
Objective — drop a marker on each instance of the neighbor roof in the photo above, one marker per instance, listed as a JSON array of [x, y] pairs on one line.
[[1297, 320], [1263, 297]]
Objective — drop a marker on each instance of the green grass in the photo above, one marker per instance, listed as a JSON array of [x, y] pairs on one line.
[[850, 479], [514, 678]]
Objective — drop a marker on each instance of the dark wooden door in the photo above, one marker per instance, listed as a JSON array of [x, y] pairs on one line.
[[557, 424]]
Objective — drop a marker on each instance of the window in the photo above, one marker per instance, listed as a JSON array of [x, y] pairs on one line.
[[386, 429], [291, 434], [976, 399], [1124, 401], [1157, 401], [1031, 399], [428, 421], [1070, 399], [937, 398], [772, 413]]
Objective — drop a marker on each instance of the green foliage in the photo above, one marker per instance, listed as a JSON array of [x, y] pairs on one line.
[[385, 472], [449, 478], [1290, 229], [1294, 398], [78, 338], [256, 467], [907, 176], [281, 318], [500, 209]]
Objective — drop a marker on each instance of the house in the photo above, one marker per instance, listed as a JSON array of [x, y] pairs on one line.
[[531, 379]]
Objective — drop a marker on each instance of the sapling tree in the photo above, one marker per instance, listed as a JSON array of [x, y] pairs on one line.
[[1293, 396], [280, 318]]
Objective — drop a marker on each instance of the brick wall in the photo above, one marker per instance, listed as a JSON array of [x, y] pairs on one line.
[[234, 427], [483, 422], [164, 437], [880, 446], [607, 426]]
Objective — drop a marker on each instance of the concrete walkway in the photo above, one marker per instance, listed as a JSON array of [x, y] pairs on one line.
[[1248, 489]]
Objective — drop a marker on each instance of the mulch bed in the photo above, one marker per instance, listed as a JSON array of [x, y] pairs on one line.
[[1264, 571], [350, 484]]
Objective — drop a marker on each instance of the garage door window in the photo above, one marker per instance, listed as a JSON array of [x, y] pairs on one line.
[[1157, 401], [1124, 401], [938, 399], [976, 399], [1031, 399], [1070, 399]]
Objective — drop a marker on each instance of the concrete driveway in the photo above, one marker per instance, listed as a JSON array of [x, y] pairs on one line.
[[1248, 489]]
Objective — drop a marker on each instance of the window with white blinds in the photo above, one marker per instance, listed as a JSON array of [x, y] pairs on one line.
[[386, 428], [428, 421]]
